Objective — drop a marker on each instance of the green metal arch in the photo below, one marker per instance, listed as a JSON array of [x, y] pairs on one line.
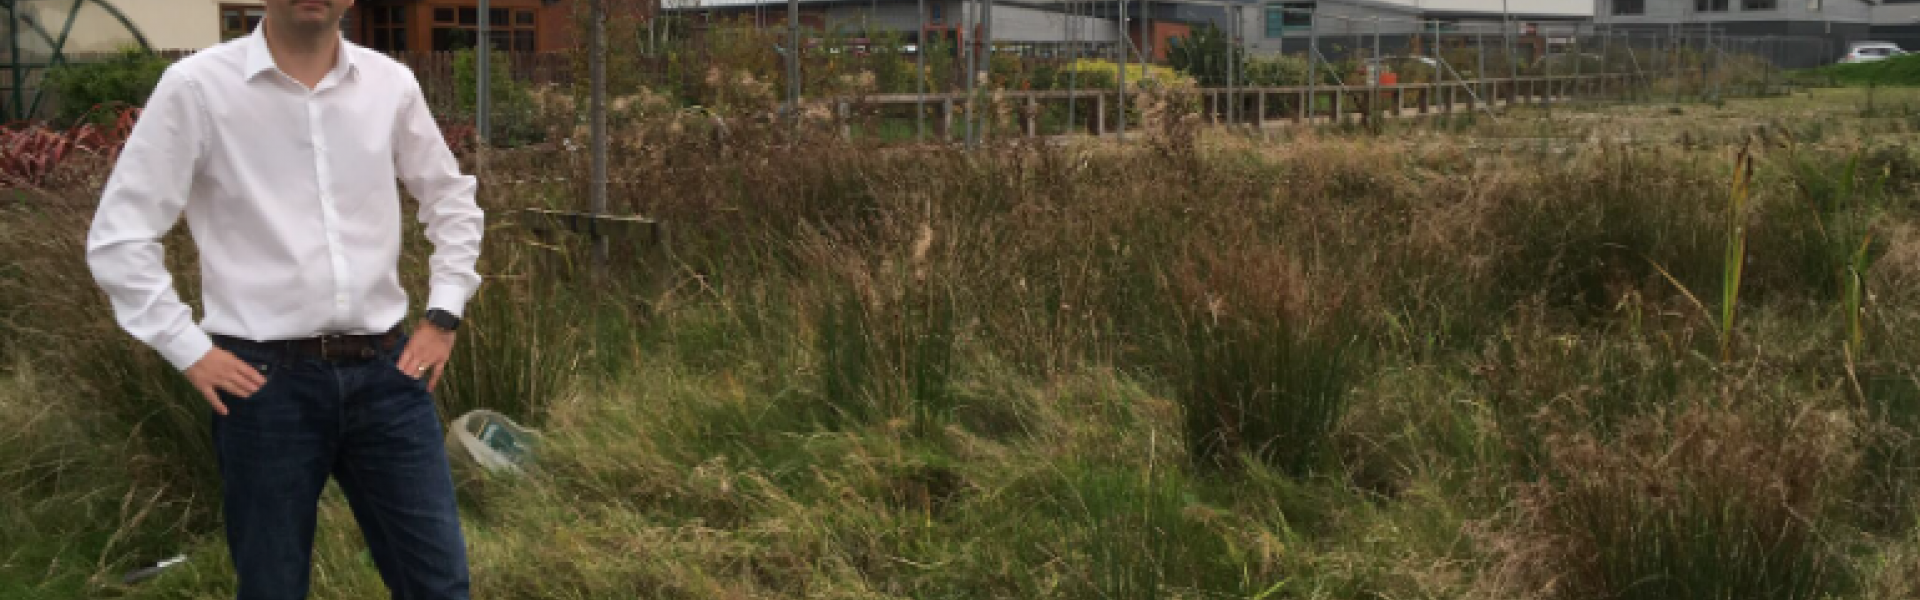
[[18, 68]]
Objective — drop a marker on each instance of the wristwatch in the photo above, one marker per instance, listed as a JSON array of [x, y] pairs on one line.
[[442, 319]]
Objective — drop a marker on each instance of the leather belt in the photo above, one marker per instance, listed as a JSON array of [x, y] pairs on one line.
[[326, 348]]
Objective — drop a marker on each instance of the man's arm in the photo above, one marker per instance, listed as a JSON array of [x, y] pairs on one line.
[[142, 200], [454, 223], [453, 218]]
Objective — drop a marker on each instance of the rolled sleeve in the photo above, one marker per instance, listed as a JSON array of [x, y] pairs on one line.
[[143, 199], [453, 218]]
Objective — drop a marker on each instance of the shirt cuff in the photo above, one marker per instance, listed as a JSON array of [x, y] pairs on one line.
[[450, 297], [187, 348]]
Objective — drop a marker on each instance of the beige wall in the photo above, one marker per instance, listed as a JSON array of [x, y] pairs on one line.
[[167, 24]]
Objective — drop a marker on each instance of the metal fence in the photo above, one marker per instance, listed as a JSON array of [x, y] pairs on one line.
[[940, 83]]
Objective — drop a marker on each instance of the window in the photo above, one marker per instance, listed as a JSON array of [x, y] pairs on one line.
[[937, 13], [1815, 5], [239, 20], [387, 28], [507, 29], [1706, 6], [1289, 16], [1759, 4], [1629, 7]]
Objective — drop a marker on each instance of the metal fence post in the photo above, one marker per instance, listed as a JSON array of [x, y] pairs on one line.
[[920, 71], [1313, 61], [793, 63], [1121, 65], [598, 71]]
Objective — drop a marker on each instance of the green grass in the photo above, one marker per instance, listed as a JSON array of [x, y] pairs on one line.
[[1432, 364]]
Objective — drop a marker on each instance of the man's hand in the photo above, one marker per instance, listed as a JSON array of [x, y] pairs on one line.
[[426, 352], [221, 370]]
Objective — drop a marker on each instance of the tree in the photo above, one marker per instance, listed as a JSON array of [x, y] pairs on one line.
[[1204, 56]]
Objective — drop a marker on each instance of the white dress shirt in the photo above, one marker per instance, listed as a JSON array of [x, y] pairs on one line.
[[290, 196]]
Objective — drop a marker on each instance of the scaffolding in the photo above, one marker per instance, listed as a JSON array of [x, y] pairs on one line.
[[31, 47]]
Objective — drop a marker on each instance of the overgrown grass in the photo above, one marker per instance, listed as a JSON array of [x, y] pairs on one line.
[[1197, 366]]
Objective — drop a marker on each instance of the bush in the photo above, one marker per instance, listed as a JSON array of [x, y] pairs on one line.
[[127, 79], [1205, 56], [1276, 70], [515, 117], [1899, 70]]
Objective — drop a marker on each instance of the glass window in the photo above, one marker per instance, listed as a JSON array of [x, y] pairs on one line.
[[1758, 4], [523, 41], [239, 20], [1629, 7], [524, 17], [1289, 16], [499, 17], [469, 16], [443, 15], [1710, 5]]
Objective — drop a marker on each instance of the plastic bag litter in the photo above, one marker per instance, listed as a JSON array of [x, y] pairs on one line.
[[493, 441]]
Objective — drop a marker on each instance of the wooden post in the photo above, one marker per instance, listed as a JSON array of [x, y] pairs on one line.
[[946, 118], [1339, 105], [1100, 113], [1260, 108], [1033, 115]]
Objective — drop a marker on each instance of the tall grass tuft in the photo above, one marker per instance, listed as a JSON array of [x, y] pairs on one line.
[[1701, 500], [886, 336], [1263, 377]]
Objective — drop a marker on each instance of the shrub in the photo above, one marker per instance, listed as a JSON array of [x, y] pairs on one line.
[[516, 119], [1205, 57], [124, 80], [1276, 70]]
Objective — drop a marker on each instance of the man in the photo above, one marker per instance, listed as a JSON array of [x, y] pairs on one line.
[[282, 149]]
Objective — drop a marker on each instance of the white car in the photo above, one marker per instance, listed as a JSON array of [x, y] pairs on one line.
[[1871, 51]]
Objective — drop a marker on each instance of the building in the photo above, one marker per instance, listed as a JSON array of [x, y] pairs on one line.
[[1014, 21], [386, 25], [1896, 21], [1829, 24], [1270, 26]]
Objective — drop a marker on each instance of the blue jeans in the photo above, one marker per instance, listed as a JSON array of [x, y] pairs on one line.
[[371, 428]]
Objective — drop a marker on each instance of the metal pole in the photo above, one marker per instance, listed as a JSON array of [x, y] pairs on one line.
[[1579, 56], [1606, 61], [1439, 77], [1233, 37], [1373, 80], [483, 61], [986, 67], [969, 20], [1480, 54], [1073, 74], [1513, 62], [1146, 36], [1313, 59], [599, 126], [1121, 66], [793, 63], [1673, 62], [18, 72], [920, 74]]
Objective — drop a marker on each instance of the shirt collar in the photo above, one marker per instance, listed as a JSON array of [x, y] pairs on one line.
[[260, 58]]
